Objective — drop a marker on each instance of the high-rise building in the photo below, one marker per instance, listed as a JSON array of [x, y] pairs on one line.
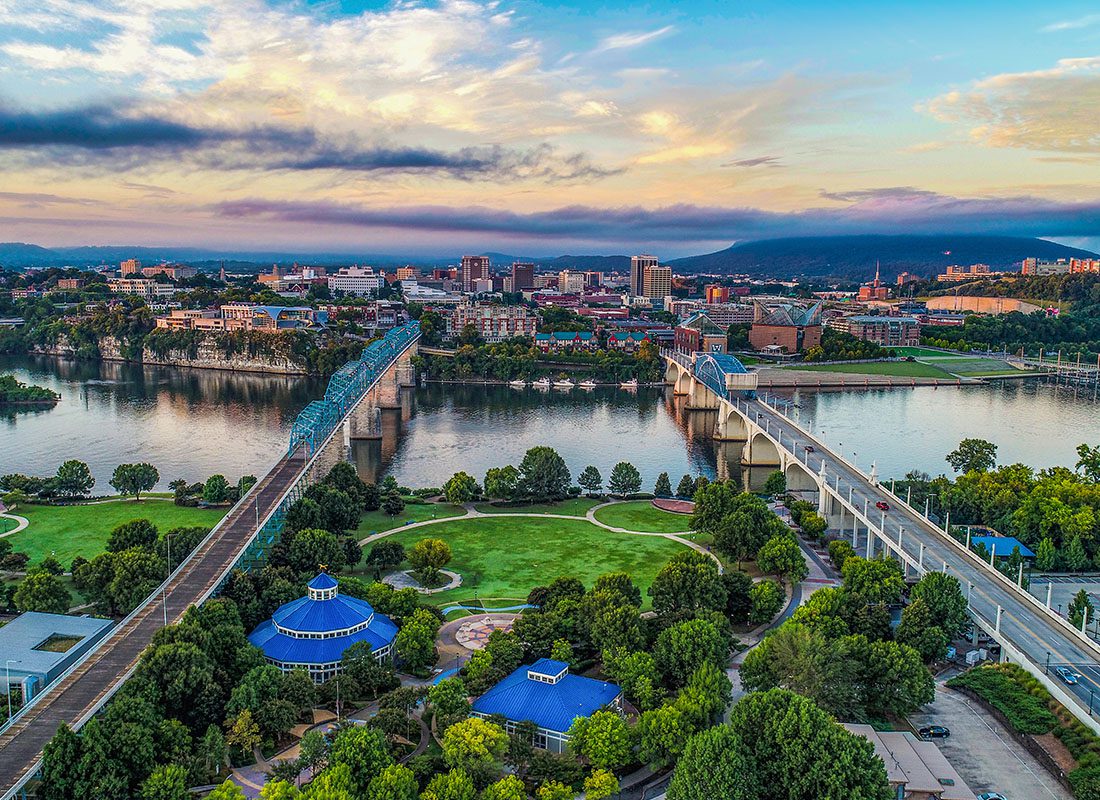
[[129, 267], [571, 282], [474, 268], [905, 278], [657, 282], [638, 265], [716, 294], [356, 280], [523, 276], [594, 278], [409, 273]]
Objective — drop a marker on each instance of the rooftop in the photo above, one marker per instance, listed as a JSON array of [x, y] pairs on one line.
[[918, 766], [1002, 545], [22, 638], [547, 694]]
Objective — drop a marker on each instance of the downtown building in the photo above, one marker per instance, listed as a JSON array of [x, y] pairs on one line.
[[494, 323], [474, 269], [360, 281], [638, 266]]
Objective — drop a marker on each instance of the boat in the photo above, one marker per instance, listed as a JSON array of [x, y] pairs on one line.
[[518, 384], [542, 383], [630, 384], [587, 384], [564, 384]]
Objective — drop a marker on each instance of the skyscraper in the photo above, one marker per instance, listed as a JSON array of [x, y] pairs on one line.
[[523, 276], [657, 281], [474, 268], [638, 266]]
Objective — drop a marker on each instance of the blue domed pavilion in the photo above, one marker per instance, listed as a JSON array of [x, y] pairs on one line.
[[312, 632]]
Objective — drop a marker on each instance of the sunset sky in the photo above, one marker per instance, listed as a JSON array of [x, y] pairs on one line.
[[544, 127]]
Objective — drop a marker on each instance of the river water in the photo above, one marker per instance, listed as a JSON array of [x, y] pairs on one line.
[[191, 423]]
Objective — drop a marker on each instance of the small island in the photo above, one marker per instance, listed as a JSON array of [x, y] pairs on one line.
[[15, 393]]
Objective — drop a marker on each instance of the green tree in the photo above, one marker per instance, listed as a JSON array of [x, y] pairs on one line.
[[242, 732], [918, 630], [686, 487], [166, 783], [501, 482], [600, 785], [839, 552], [59, 759], [813, 524], [1088, 462], [663, 487], [554, 790], [752, 758], [896, 681], [662, 734], [135, 533], [392, 504], [461, 488], [765, 601], [385, 554], [212, 752], [562, 651], [603, 739], [637, 674], [944, 597], [74, 479], [1081, 609], [507, 788], [543, 475], [304, 513], [415, 642], [133, 479], [453, 785], [1045, 555], [41, 591], [781, 556], [280, 790], [590, 480], [215, 490], [315, 549], [684, 647], [178, 678], [1075, 558], [363, 751], [313, 751], [877, 580], [776, 483], [477, 747], [226, 791], [973, 455], [451, 702], [689, 581], [427, 557], [395, 782]]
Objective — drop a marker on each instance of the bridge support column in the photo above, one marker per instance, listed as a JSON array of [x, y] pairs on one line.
[[700, 397]]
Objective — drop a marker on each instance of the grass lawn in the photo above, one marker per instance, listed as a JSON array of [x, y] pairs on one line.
[[375, 521], [922, 352], [573, 507], [640, 515], [907, 369], [7, 524], [506, 557], [70, 531]]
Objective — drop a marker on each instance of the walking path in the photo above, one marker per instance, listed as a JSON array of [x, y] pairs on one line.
[[590, 516], [20, 523]]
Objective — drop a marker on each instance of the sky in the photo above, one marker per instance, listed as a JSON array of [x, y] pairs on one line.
[[542, 128]]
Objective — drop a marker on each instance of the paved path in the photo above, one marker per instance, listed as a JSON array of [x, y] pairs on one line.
[[20, 523]]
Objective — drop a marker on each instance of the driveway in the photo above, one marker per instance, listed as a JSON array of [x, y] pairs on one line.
[[984, 753]]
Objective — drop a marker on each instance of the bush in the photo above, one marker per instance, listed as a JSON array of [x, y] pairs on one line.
[[839, 552], [1025, 707]]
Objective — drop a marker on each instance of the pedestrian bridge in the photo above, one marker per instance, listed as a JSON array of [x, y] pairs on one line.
[[241, 539]]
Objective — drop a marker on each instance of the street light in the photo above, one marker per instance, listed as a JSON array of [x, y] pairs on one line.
[[7, 680]]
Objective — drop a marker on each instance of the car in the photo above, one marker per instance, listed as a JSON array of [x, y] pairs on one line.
[[809, 448], [882, 505], [991, 796], [934, 732], [1067, 675]]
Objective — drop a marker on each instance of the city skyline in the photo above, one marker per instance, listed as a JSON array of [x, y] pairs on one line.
[[543, 128]]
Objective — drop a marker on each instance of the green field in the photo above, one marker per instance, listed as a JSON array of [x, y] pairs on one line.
[[640, 515], [907, 369], [921, 352], [7, 524], [376, 521], [70, 531], [506, 557], [574, 507]]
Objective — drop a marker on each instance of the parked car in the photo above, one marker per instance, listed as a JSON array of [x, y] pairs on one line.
[[991, 796], [882, 505], [1067, 675], [809, 448], [934, 732]]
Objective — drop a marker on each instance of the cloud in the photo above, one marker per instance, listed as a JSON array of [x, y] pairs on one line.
[[626, 41], [1052, 109], [759, 161], [898, 210], [1086, 21], [94, 128], [41, 200]]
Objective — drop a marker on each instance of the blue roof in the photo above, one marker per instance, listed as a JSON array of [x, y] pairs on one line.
[[312, 616], [1002, 545], [323, 581], [289, 650], [552, 706]]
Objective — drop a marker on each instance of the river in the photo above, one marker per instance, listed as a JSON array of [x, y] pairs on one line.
[[192, 423]]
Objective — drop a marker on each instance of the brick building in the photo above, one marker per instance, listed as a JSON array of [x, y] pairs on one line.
[[786, 326]]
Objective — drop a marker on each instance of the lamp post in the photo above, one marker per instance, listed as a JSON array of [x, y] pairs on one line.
[[7, 680]]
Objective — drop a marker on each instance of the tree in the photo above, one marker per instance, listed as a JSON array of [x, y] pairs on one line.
[[684, 647], [973, 455], [1045, 555], [554, 790], [215, 490], [689, 581], [41, 591], [895, 680], [1088, 462], [415, 642], [314, 549], [385, 554], [543, 474], [450, 700], [590, 479], [135, 533], [1081, 609], [945, 600], [751, 758], [166, 783], [303, 514], [919, 630], [662, 734], [877, 580], [663, 487], [603, 739], [59, 757], [372, 498], [395, 782], [242, 732], [813, 524], [765, 598], [227, 791], [776, 483], [477, 747], [280, 789], [392, 504], [507, 788], [1076, 559], [427, 557], [686, 487], [562, 651], [637, 674], [133, 479], [461, 488], [600, 785], [74, 479], [363, 751], [738, 586], [501, 482], [839, 552], [453, 785], [781, 556]]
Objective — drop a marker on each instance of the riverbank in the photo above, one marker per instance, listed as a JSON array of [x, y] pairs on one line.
[[491, 382]]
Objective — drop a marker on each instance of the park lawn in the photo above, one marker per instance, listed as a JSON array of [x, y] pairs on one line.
[[640, 515], [907, 369], [923, 352], [7, 524], [507, 557], [82, 530], [573, 507], [375, 521]]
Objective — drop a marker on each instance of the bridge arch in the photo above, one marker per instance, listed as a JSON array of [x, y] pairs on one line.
[[731, 425], [799, 479], [761, 451], [714, 369]]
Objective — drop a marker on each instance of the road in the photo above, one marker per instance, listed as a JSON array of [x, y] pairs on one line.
[[1029, 629]]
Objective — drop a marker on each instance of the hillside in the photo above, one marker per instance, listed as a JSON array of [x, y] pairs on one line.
[[854, 257]]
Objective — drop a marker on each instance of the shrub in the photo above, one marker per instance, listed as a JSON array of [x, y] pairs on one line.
[[839, 552], [998, 685]]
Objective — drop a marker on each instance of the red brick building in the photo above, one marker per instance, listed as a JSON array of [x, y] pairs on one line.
[[786, 326]]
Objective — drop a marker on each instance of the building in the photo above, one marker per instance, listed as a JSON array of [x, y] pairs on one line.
[[244, 317], [176, 272], [145, 288], [874, 290], [571, 282], [785, 326], [546, 694], [626, 340], [700, 334], [1040, 266], [638, 266], [916, 770], [716, 294], [593, 278], [657, 282], [1077, 265], [312, 632], [1001, 546], [957, 272], [883, 331], [474, 268], [906, 278], [362, 281], [42, 646], [494, 323], [69, 284], [130, 266], [415, 292], [523, 276], [408, 273], [561, 340]]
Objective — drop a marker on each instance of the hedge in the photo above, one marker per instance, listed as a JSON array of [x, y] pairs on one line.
[[1023, 701]]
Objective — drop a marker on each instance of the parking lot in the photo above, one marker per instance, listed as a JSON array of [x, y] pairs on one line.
[[984, 753]]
